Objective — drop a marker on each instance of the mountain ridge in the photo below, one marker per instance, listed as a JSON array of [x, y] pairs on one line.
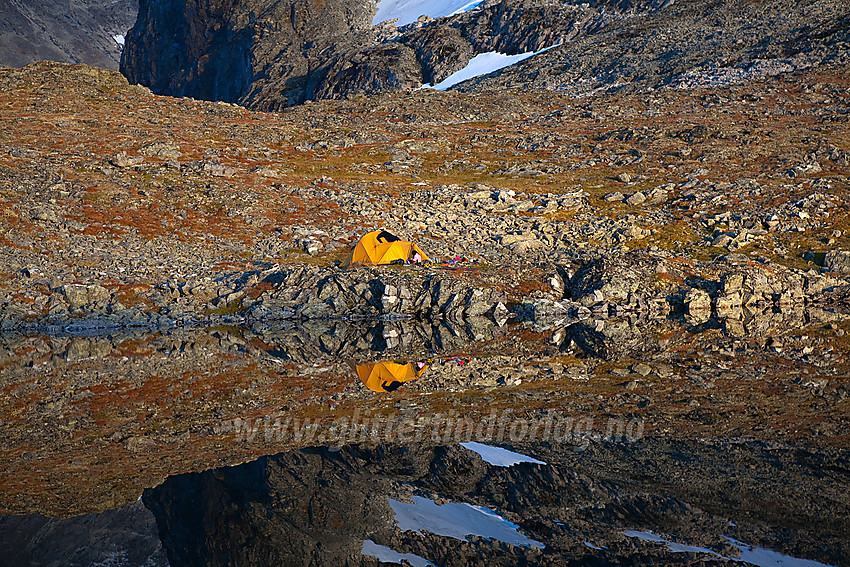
[[267, 55], [724, 43], [65, 32]]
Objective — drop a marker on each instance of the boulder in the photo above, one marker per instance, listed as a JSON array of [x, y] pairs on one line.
[[837, 261], [697, 300], [78, 295]]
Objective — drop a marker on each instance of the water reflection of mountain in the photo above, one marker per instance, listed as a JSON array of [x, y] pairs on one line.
[[318, 507], [126, 536]]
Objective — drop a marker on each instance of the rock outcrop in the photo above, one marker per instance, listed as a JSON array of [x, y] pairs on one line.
[[83, 31], [314, 293], [225, 49]]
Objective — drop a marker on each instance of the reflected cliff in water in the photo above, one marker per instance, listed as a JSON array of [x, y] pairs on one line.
[[448, 506]]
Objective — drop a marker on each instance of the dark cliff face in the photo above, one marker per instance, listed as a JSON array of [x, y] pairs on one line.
[[189, 48], [124, 536], [219, 49]]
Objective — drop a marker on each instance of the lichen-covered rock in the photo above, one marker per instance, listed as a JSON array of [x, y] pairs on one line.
[[728, 305], [78, 295], [322, 293], [837, 261], [635, 275], [697, 300]]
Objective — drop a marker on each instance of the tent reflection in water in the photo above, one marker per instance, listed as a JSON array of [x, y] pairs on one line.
[[387, 376], [381, 247]]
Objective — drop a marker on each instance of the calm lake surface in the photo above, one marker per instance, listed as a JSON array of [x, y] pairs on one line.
[[596, 442]]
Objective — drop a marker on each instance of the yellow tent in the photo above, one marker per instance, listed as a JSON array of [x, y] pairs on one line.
[[386, 376], [381, 247]]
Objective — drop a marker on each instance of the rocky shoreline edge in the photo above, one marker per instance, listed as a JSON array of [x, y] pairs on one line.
[[648, 284]]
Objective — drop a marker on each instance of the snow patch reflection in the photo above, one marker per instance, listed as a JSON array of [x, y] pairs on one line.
[[386, 554], [752, 555], [457, 520], [499, 457]]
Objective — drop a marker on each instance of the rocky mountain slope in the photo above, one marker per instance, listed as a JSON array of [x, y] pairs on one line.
[[688, 44], [68, 32], [271, 54]]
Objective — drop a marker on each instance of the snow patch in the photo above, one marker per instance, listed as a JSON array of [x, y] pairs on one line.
[[499, 457], [763, 557], [408, 11], [759, 556], [482, 64], [672, 546], [457, 520], [119, 39], [386, 554], [591, 546]]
